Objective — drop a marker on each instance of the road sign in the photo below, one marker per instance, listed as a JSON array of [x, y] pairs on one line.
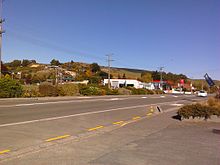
[[209, 80]]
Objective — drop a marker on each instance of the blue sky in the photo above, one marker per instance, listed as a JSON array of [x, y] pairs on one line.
[[181, 35]]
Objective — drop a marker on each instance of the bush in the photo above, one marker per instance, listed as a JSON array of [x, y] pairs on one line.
[[10, 88], [123, 91], [149, 92], [68, 90], [140, 91], [47, 89], [198, 110], [91, 90], [217, 96], [109, 91], [158, 91], [31, 91]]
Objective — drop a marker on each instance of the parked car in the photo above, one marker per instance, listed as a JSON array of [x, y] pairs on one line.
[[202, 93]]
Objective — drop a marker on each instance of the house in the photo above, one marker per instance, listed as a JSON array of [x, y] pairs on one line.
[[118, 83], [149, 86]]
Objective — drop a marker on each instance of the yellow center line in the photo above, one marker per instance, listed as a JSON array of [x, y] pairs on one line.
[[95, 128], [149, 114], [137, 117], [57, 138], [119, 122], [4, 151]]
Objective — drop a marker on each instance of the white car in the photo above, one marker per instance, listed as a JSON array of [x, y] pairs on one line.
[[202, 93]]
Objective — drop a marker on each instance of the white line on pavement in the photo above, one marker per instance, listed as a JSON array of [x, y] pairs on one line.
[[178, 105], [58, 102]]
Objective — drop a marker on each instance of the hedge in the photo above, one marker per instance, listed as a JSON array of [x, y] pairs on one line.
[[198, 110]]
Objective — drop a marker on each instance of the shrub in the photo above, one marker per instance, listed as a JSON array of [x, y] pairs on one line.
[[123, 91], [149, 92], [47, 89], [68, 90], [10, 88], [198, 110], [31, 91], [109, 91], [158, 91], [217, 96], [91, 90], [135, 91]]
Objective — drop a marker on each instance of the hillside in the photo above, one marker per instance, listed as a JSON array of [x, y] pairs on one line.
[[32, 69]]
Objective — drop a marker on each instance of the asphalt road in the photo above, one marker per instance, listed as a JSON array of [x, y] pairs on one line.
[[29, 125]]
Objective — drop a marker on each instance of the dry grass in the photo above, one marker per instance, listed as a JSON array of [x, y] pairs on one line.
[[121, 72]]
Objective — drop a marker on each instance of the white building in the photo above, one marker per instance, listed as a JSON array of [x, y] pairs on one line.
[[118, 83], [149, 86]]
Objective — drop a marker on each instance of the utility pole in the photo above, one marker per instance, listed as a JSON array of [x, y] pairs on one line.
[[1, 31], [161, 75], [109, 68]]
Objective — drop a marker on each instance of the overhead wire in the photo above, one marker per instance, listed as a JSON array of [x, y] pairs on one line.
[[48, 45]]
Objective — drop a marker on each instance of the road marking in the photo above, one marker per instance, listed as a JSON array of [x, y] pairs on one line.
[[149, 114], [119, 122], [143, 97], [178, 105], [135, 118], [151, 109], [113, 99], [175, 96], [95, 128], [162, 96], [80, 114], [124, 124], [4, 151], [56, 102], [57, 138]]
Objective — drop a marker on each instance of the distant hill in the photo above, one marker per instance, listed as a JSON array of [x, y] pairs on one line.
[[120, 72]]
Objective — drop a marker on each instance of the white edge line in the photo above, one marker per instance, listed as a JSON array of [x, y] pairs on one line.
[[57, 102]]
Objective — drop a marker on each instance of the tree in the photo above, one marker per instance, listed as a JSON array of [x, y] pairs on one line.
[[15, 63], [4, 69], [103, 75], [146, 77], [124, 76], [55, 62], [95, 68], [156, 75], [25, 63]]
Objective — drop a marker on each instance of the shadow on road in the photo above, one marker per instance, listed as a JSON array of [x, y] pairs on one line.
[[216, 131], [177, 117]]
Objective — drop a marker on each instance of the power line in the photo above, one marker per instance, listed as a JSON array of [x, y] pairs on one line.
[[42, 43]]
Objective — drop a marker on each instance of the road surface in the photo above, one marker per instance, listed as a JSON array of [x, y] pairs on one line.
[[30, 128]]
